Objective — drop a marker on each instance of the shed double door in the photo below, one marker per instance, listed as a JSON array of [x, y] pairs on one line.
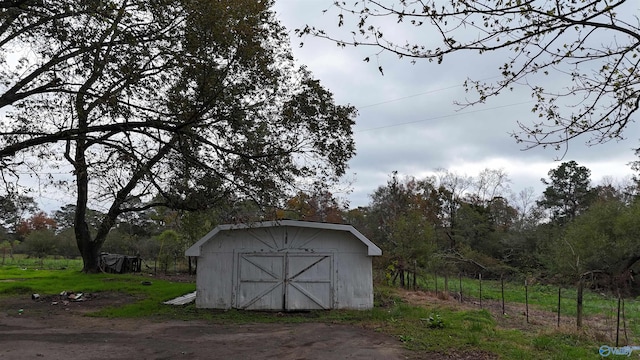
[[284, 281]]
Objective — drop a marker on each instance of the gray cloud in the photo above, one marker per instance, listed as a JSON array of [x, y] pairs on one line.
[[409, 123]]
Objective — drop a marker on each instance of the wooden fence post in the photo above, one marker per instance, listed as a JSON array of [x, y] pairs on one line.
[[526, 299], [618, 320], [436, 276], [446, 285], [579, 309], [624, 324], [460, 285], [502, 290], [415, 275], [480, 281], [559, 292]]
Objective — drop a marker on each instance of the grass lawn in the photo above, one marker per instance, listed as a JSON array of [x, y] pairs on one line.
[[24, 262]]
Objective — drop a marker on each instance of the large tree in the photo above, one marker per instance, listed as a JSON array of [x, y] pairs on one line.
[[402, 217], [13, 209], [316, 206], [183, 102], [568, 193], [603, 242], [590, 47]]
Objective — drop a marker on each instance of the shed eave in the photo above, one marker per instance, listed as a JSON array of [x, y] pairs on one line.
[[194, 250], [372, 249]]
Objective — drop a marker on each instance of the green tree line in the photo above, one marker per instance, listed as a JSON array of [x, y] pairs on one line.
[[445, 223]]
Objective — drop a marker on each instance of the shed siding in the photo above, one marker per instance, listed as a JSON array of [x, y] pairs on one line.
[[354, 285], [218, 275], [214, 281]]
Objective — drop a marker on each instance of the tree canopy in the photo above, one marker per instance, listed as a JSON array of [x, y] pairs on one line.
[[188, 103], [601, 242], [580, 59], [568, 192]]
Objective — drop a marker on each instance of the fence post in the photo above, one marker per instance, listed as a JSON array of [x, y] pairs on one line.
[[415, 275], [446, 285], [436, 276], [460, 285], [502, 290], [618, 320], [579, 309], [559, 292], [624, 324], [526, 299], [480, 281]]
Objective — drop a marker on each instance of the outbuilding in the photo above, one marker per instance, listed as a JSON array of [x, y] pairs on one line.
[[284, 265]]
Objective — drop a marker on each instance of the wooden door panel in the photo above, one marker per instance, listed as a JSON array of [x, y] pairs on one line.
[[260, 281], [309, 282], [287, 281]]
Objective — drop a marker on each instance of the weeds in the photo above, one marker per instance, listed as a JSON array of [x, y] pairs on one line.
[[434, 322], [405, 338]]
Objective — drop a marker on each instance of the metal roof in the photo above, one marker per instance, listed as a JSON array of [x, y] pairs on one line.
[[373, 250]]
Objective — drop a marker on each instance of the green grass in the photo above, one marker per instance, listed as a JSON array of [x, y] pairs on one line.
[[431, 328], [20, 281], [22, 261]]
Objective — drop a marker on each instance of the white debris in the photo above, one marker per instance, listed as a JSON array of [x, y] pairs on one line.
[[182, 300]]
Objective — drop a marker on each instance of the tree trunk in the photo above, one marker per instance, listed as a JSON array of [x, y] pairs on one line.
[[91, 257], [88, 247]]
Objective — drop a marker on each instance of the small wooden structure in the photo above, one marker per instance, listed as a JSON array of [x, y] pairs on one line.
[[284, 265], [120, 264]]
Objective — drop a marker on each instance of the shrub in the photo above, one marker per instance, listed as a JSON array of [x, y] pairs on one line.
[[40, 243]]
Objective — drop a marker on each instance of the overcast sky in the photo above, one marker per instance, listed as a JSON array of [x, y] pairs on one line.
[[408, 121]]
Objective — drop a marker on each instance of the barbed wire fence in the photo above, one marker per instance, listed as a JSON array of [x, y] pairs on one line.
[[606, 316]]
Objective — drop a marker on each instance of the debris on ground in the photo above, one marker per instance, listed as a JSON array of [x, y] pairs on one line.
[[73, 296], [182, 300], [64, 298]]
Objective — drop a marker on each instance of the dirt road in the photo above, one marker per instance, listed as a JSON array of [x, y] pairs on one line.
[[24, 338], [45, 331]]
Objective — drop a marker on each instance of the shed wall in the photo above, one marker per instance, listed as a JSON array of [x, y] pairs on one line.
[[217, 278]]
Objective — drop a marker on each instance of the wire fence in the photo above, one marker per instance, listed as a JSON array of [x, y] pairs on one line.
[[606, 316]]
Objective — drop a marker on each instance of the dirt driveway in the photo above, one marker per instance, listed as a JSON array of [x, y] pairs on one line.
[[43, 330]]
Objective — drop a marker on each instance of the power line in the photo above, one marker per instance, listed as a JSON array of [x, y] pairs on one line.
[[444, 116], [408, 97], [420, 94]]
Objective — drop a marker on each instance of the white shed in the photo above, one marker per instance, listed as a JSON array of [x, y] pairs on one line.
[[284, 265]]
